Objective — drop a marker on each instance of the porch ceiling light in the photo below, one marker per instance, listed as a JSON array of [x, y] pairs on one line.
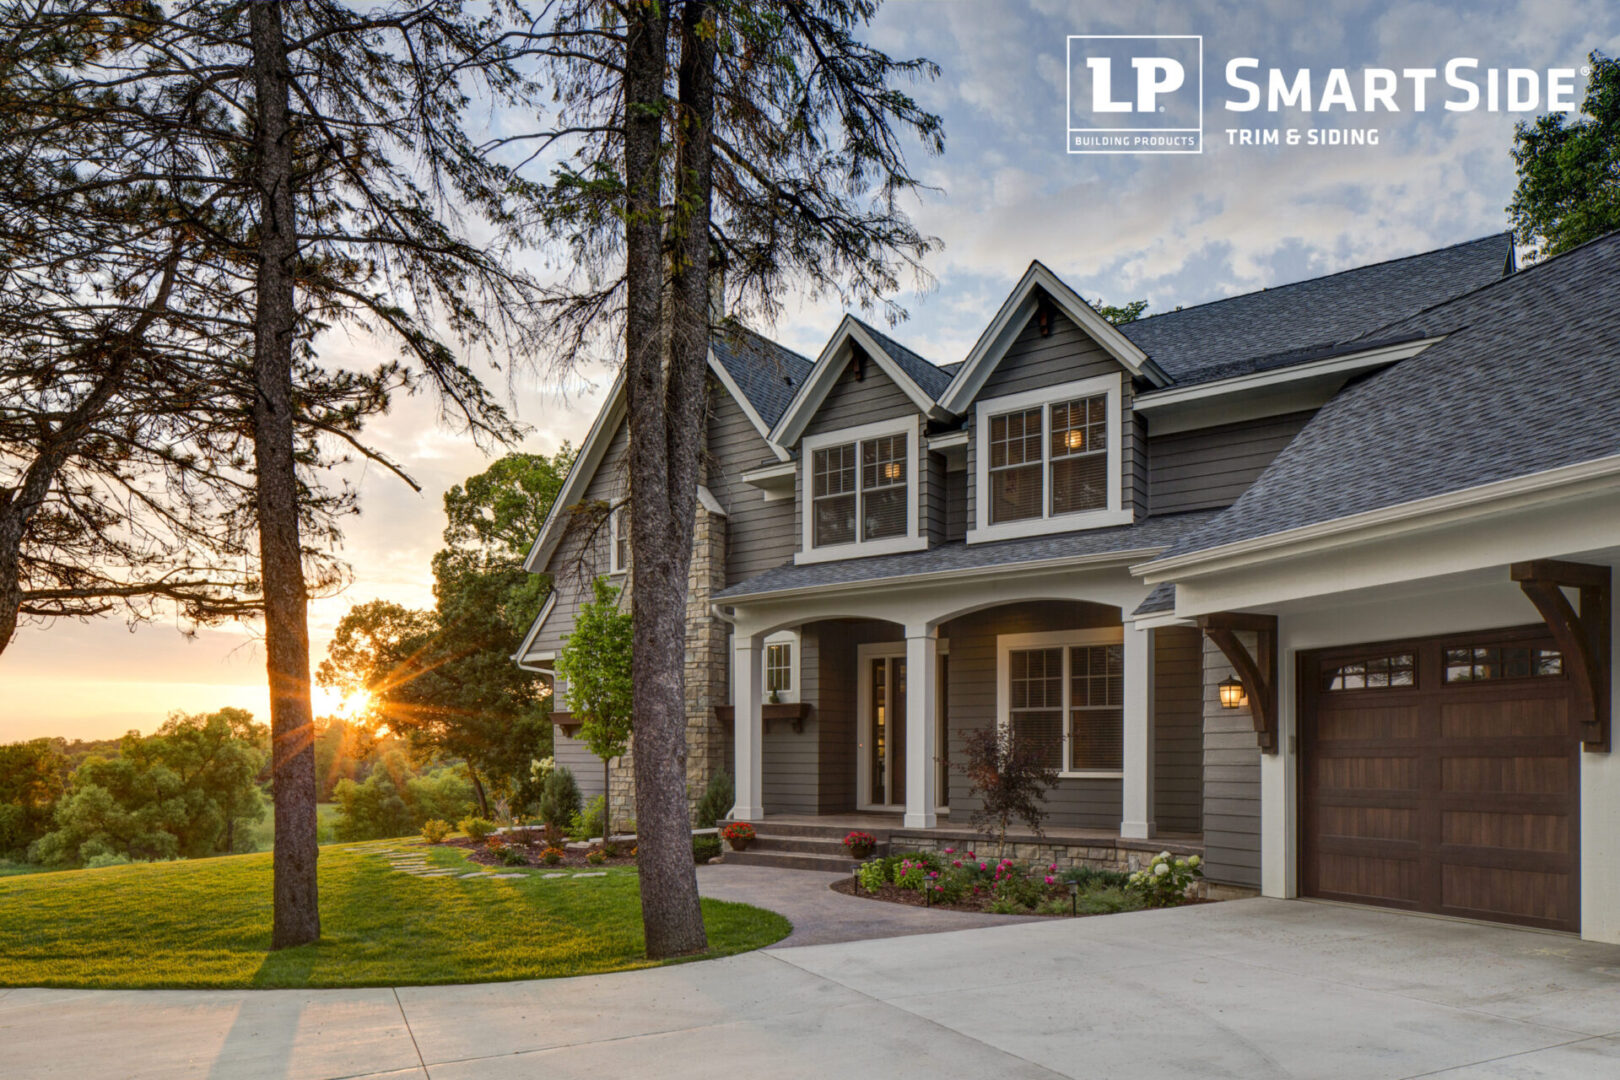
[[1232, 695]]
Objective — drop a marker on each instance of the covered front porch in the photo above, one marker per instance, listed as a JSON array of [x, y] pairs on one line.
[[850, 706]]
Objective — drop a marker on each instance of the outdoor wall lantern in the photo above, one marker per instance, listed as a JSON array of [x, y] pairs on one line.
[[1232, 695]]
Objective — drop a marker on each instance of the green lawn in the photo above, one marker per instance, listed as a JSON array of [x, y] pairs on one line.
[[264, 830], [206, 923]]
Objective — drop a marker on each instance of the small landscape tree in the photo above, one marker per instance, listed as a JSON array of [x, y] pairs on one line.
[[1009, 777], [595, 662]]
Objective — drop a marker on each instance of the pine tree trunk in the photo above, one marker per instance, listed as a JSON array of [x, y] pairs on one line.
[[297, 919], [666, 414]]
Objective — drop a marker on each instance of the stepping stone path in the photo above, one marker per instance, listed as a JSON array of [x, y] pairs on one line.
[[548, 877], [506, 877], [599, 873]]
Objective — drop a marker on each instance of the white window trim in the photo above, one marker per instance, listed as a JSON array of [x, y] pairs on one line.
[[790, 638], [1046, 397], [615, 523], [913, 540], [1007, 644]]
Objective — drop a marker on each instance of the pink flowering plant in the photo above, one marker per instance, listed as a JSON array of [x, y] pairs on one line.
[[859, 844]]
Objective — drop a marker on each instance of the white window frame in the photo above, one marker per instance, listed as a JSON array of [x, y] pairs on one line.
[[1045, 397], [788, 639], [1007, 644], [913, 540], [616, 524]]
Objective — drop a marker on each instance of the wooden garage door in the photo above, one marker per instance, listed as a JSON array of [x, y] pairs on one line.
[[1443, 775]]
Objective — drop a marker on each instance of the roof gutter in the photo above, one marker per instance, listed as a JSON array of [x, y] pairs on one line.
[[1099, 561]]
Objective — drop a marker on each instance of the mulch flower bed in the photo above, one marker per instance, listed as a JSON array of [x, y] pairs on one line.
[[529, 843], [894, 894], [980, 904]]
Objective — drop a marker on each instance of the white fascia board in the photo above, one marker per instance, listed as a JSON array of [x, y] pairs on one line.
[[1009, 322], [1158, 620], [1346, 364], [767, 473], [1503, 496], [747, 407], [1102, 560], [586, 462], [950, 440], [829, 365], [522, 653], [707, 500]]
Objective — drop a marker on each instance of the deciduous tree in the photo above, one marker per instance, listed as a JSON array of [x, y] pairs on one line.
[[597, 662], [1569, 168]]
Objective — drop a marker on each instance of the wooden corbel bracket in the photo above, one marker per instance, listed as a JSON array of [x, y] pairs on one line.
[[1257, 671], [1582, 636]]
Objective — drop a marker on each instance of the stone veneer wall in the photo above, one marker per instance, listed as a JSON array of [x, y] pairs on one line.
[[708, 743], [707, 685], [1100, 854]]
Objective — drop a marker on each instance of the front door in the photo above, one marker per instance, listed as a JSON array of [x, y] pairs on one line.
[[883, 730]]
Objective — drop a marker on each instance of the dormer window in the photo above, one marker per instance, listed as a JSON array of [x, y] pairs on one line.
[[860, 491], [1048, 460]]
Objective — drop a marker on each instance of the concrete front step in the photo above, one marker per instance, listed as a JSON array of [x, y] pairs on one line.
[[803, 844], [789, 860]]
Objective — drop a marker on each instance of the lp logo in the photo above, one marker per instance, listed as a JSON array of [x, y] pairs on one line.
[[1146, 94], [1155, 75]]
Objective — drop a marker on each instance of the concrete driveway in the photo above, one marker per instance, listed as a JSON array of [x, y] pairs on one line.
[[1250, 988]]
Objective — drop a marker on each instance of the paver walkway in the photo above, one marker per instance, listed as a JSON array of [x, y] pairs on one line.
[[823, 917], [1256, 989]]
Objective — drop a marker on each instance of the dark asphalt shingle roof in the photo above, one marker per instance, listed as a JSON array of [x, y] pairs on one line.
[[1161, 599], [925, 373], [1263, 329], [1527, 380], [958, 555], [768, 374]]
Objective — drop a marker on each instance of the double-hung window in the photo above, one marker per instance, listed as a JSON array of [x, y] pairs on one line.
[[861, 491], [619, 539], [1064, 695], [1049, 460]]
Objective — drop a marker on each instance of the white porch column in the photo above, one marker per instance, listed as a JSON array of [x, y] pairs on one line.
[[749, 727], [922, 740], [1138, 821]]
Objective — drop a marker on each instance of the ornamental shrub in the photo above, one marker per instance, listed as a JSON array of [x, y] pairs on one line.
[[589, 822], [1165, 881], [551, 856], [595, 858], [716, 800], [434, 831], [559, 797], [1089, 877], [477, 829], [873, 875], [912, 873], [705, 848]]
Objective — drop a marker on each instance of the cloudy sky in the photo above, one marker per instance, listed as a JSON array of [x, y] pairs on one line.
[[1172, 230]]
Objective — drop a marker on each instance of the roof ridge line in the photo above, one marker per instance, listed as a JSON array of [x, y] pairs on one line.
[[1323, 277], [1505, 279]]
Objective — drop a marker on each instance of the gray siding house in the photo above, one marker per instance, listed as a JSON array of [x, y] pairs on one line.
[[892, 552]]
